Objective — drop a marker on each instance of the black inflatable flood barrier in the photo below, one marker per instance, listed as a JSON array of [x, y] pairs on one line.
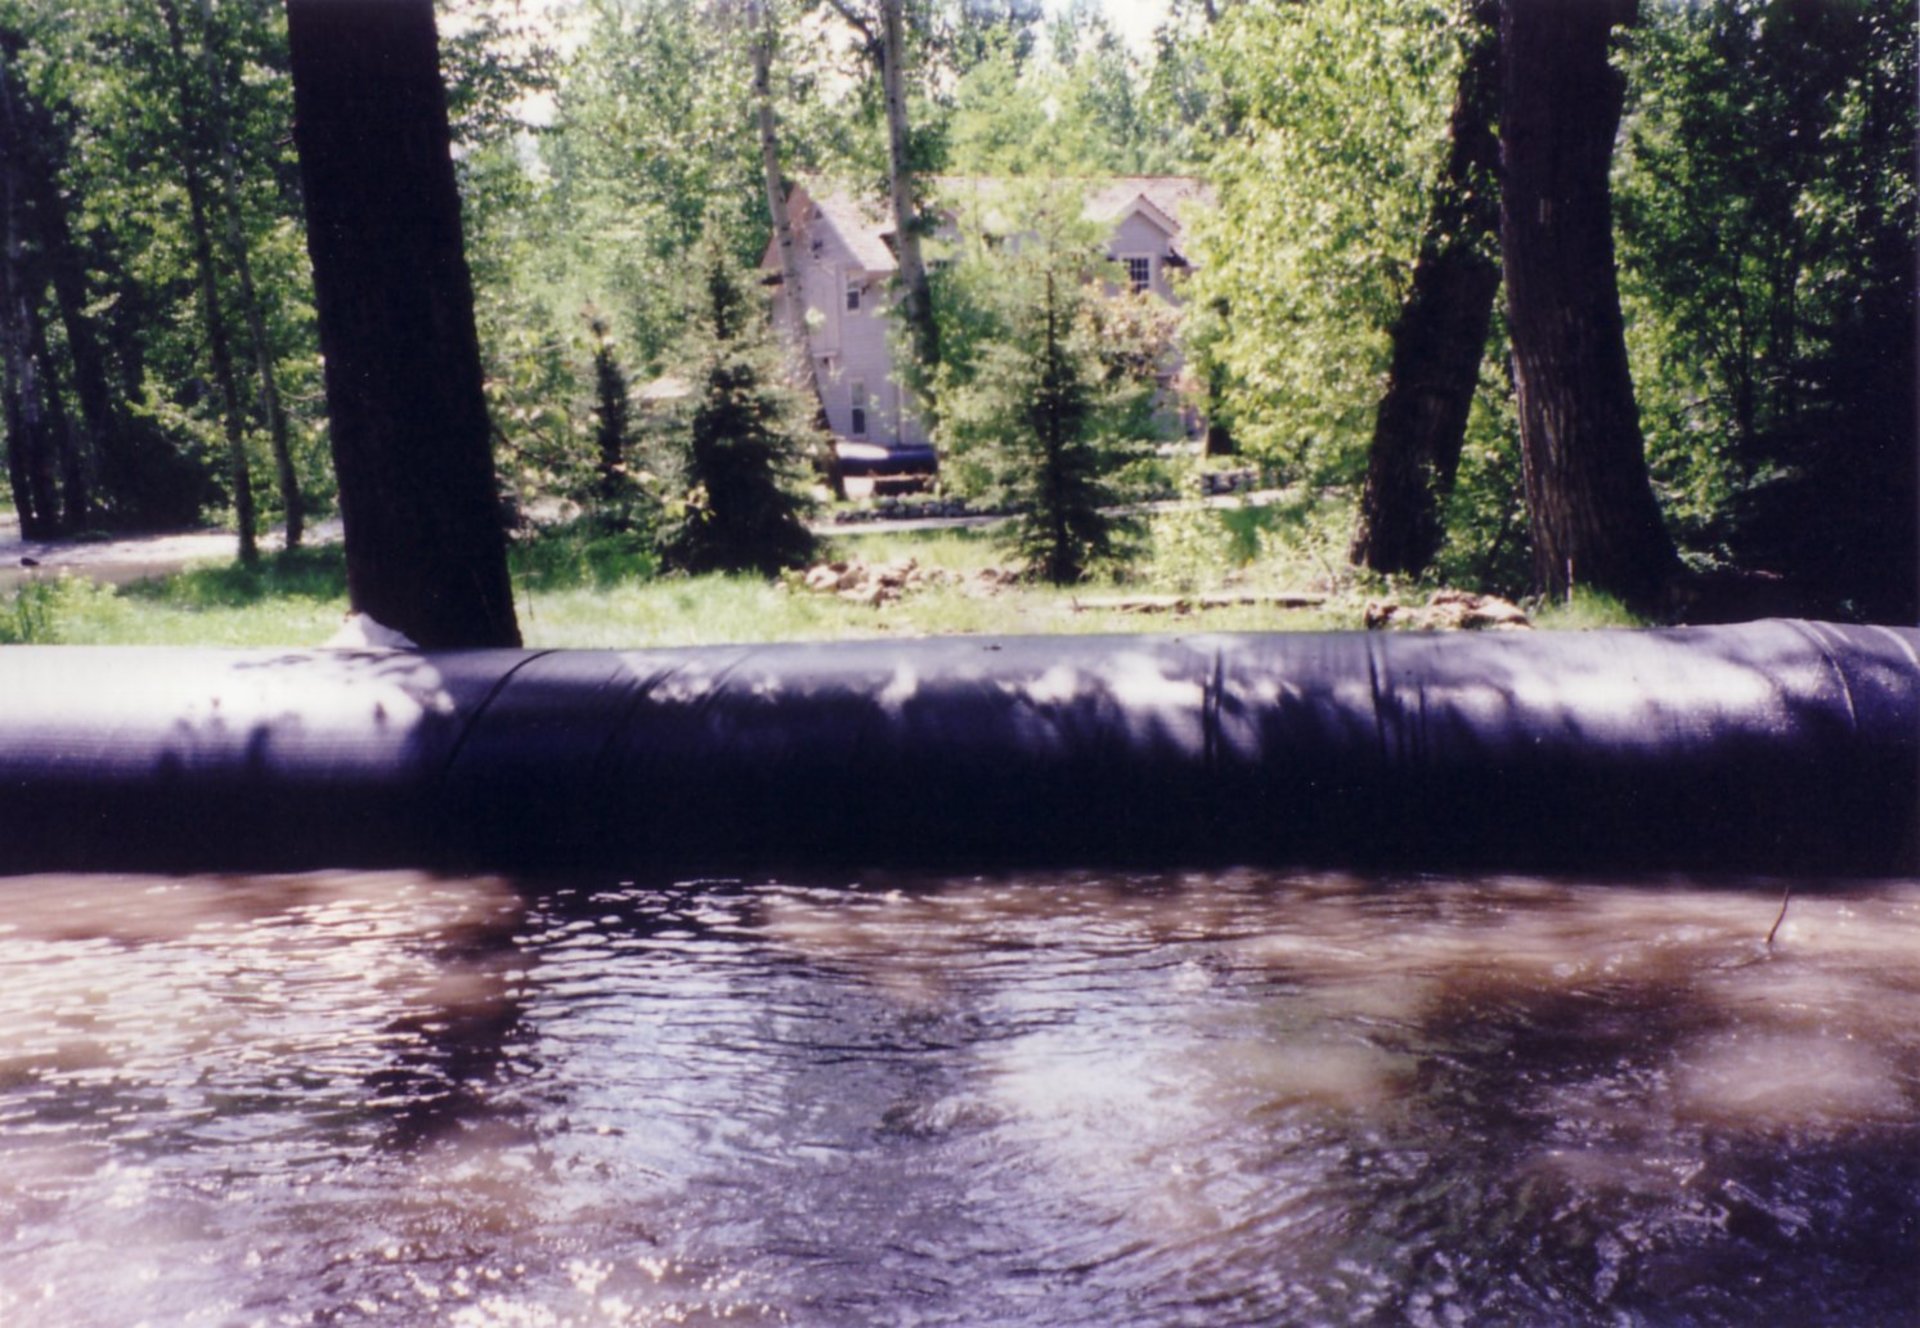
[[1771, 746]]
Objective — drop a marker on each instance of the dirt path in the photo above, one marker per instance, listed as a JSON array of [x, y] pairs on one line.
[[132, 558]]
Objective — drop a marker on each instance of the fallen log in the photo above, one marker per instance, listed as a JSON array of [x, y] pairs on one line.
[[1219, 599]]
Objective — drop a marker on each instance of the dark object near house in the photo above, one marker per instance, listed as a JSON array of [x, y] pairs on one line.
[[886, 460]]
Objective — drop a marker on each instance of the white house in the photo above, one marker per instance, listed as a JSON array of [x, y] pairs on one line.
[[847, 261]]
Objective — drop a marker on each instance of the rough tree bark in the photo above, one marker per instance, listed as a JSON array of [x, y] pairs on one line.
[[292, 502], [1441, 334], [792, 302], [1591, 511], [219, 344], [426, 553]]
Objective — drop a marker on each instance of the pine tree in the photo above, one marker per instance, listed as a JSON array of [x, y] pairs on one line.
[[611, 412], [739, 449], [1049, 424]]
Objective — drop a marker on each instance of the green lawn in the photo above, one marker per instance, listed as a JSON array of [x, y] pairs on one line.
[[578, 591]]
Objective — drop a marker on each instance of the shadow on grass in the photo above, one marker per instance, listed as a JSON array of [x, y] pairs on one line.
[[582, 554], [309, 574], [1299, 518]]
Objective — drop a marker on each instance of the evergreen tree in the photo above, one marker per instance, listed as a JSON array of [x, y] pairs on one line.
[[611, 411], [1052, 393], [739, 449]]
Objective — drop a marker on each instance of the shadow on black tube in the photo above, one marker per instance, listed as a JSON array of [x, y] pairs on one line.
[[1773, 746]]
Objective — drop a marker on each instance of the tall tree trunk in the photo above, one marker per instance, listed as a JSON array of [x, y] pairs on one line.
[[291, 501], [1591, 510], [29, 463], [25, 126], [915, 296], [64, 445], [792, 302], [1441, 334], [426, 553], [29, 437], [219, 345], [28, 179]]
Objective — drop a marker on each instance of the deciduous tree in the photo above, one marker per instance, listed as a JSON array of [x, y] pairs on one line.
[[1768, 224], [426, 554], [1438, 339], [883, 36], [1592, 516]]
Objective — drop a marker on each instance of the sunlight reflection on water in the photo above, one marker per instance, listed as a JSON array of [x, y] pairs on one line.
[[1233, 1097]]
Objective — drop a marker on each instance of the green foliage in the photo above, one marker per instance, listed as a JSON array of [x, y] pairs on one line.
[[582, 554], [1485, 518], [1340, 112], [1183, 101], [652, 149], [1083, 112], [127, 117], [646, 146], [1768, 221], [31, 616], [734, 453], [1584, 610], [1190, 544]]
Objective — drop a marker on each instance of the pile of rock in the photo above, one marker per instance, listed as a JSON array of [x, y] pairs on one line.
[[1448, 611], [875, 584], [1214, 483]]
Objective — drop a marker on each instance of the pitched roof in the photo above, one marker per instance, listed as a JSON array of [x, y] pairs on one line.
[[864, 223], [1175, 195]]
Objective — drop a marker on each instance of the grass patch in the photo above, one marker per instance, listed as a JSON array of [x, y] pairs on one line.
[[962, 549], [580, 554], [292, 598], [1583, 611], [318, 574], [580, 586], [49, 612]]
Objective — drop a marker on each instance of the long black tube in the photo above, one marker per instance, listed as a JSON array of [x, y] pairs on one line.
[[1770, 746]]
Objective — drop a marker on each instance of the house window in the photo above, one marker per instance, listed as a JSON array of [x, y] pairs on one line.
[[857, 393], [1139, 273], [853, 294]]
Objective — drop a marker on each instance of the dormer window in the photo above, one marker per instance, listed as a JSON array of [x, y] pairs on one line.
[[853, 294], [1139, 272]]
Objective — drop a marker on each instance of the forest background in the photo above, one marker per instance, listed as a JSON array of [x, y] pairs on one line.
[[158, 330]]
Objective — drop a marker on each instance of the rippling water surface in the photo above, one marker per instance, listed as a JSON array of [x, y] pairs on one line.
[[1069, 1099]]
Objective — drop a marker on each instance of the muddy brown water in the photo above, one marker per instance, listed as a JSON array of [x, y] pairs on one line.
[[1230, 1098]]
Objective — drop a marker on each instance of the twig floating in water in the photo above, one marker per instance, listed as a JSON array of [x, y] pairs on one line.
[[1786, 897]]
